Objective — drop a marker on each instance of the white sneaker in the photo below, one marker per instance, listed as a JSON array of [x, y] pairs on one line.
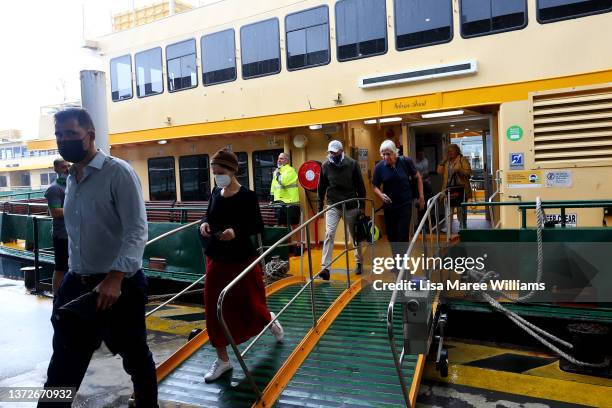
[[277, 329], [218, 368]]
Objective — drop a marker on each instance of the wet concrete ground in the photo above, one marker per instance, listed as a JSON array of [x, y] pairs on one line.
[[25, 347]]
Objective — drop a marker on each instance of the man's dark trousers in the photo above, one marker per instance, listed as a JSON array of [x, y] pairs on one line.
[[122, 329]]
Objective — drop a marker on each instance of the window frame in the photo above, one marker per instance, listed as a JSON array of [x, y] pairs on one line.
[[131, 77], [365, 56], [246, 167], [326, 7], [173, 174], [493, 32], [195, 46], [280, 57], [592, 13], [207, 173], [161, 65], [395, 25], [266, 188], [235, 59]]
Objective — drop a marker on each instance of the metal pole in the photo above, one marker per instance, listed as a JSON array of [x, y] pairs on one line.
[[346, 256], [449, 214], [312, 296], [261, 250], [93, 99], [229, 337], [36, 260], [302, 243]]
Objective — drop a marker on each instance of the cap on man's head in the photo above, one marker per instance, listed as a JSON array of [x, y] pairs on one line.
[[334, 146]]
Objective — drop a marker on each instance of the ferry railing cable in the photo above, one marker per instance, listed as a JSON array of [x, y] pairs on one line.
[[308, 284], [432, 204]]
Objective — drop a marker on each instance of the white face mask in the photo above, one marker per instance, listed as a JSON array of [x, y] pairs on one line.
[[223, 180]]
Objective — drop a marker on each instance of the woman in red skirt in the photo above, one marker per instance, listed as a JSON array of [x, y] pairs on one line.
[[231, 219]]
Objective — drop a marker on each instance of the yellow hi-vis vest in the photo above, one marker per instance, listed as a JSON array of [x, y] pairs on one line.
[[285, 185]]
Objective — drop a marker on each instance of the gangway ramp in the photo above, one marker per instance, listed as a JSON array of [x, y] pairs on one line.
[[351, 364], [181, 377]]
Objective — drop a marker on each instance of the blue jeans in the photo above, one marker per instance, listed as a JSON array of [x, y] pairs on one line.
[[122, 328]]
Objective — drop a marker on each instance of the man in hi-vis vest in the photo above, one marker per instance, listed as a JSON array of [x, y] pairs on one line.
[[284, 190], [285, 182]]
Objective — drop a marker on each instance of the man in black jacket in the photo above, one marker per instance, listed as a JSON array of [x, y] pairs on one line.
[[340, 180]]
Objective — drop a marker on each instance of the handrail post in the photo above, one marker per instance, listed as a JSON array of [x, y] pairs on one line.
[[346, 255], [229, 337], [36, 255], [261, 250], [312, 295], [449, 214], [562, 217]]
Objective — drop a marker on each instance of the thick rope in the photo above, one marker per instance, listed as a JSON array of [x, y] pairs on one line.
[[530, 328]]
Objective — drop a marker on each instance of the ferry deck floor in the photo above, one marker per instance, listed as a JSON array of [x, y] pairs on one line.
[[480, 375]]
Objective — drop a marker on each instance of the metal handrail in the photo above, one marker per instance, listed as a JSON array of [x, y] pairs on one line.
[[309, 283], [432, 203], [159, 238]]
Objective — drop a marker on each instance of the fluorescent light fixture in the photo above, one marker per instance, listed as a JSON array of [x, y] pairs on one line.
[[382, 120], [452, 125], [466, 129], [442, 114], [388, 120], [315, 127], [162, 142]]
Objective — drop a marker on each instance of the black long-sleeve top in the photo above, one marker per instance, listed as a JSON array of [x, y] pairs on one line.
[[239, 212]]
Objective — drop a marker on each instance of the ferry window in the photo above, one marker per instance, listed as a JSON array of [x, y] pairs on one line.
[[182, 70], [422, 22], [162, 183], [482, 17], [3, 181], [149, 72], [555, 10], [47, 178], [307, 38], [361, 28], [264, 163], [218, 57], [243, 168], [195, 177], [260, 49], [25, 179], [121, 78]]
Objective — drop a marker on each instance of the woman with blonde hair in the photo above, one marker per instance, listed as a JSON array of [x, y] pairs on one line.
[[456, 171]]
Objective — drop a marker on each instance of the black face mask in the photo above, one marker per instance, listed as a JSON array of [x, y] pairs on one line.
[[72, 150]]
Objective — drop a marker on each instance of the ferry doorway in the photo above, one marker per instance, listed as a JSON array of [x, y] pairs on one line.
[[473, 135]]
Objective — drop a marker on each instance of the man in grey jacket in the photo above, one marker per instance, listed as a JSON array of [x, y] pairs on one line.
[[340, 180]]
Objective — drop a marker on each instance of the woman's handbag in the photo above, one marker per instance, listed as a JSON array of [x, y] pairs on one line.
[[456, 191]]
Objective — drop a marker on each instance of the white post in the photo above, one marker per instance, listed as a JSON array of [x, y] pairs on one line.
[[93, 99]]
